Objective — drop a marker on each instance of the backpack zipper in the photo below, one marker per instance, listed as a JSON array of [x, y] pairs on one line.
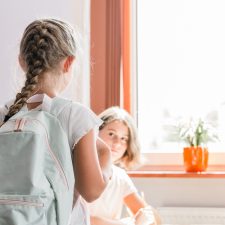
[[20, 202], [19, 125], [57, 162]]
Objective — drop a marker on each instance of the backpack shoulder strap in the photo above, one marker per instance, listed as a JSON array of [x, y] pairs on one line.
[[54, 106]]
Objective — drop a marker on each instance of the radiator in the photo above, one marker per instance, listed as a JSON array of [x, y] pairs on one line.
[[192, 215]]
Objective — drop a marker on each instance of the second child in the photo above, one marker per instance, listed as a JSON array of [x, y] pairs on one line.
[[119, 132]]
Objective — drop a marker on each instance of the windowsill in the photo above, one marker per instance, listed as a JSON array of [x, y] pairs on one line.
[[170, 165], [176, 171]]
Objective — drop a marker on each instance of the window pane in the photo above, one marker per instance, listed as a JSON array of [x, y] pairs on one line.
[[181, 66]]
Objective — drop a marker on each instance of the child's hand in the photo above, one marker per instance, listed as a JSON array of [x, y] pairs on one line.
[[127, 221], [145, 216]]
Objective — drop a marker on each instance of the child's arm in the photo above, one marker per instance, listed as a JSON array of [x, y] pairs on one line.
[[89, 179], [134, 202], [141, 210], [104, 156]]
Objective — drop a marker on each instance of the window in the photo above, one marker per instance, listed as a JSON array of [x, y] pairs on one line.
[[180, 67]]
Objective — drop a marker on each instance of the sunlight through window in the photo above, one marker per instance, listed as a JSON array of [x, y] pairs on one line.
[[181, 68]]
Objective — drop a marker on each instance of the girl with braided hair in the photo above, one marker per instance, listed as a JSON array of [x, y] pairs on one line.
[[47, 54]]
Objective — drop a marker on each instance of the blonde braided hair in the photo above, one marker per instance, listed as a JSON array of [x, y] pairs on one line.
[[44, 44]]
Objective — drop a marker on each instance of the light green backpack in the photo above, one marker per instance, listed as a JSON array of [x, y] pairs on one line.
[[36, 172]]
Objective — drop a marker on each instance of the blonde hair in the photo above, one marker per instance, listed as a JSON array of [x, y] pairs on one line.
[[44, 44], [131, 156]]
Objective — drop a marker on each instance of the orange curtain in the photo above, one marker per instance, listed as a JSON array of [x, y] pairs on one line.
[[110, 54], [126, 54], [105, 54], [113, 52]]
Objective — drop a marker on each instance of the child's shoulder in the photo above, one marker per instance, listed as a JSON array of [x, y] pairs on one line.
[[81, 118], [119, 172], [121, 178], [80, 112], [75, 107]]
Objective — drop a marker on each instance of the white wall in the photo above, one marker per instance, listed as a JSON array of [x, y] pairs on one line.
[[16, 15], [205, 192]]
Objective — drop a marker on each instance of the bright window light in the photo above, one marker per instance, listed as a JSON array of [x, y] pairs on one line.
[[181, 67]]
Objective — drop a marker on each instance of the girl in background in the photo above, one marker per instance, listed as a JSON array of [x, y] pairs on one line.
[[119, 132]]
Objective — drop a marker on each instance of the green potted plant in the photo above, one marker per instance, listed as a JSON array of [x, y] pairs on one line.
[[195, 133]]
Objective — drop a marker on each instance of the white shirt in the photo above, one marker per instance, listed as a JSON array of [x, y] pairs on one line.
[[110, 203]]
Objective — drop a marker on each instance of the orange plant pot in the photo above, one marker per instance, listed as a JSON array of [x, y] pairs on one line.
[[195, 159]]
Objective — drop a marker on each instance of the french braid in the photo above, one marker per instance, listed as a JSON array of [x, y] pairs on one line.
[[44, 44]]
